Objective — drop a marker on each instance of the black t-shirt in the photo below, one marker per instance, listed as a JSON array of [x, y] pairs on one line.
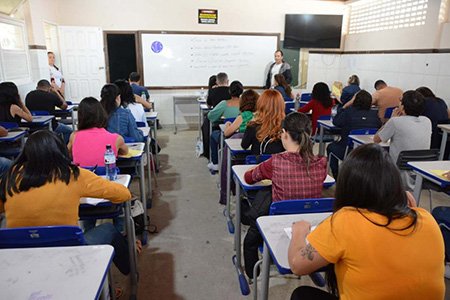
[[257, 148], [218, 94], [43, 101]]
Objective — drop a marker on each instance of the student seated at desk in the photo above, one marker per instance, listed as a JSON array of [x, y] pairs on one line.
[[296, 174], [88, 144], [43, 188], [12, 108], [283, 87], [437, 111], [381, 244], [247, 107], [128, 101], [407, 129], [42, 99], [320, 104], [350, 90], [226, 109], [263, 133], [120, 120], [357, 116]]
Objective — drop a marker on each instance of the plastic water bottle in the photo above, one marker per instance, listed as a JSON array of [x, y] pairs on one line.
[[110, 164], [143, 96], [202, 94]]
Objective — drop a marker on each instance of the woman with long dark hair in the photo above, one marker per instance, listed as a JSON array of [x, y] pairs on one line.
[[320, 104], [381, 244], [43, 188], [12, 108], [120, 120]]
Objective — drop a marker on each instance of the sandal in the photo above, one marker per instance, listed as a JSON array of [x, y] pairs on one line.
[[118, 291], [139, 246]]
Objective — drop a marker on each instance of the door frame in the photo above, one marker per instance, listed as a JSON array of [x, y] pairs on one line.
[[105, 50]]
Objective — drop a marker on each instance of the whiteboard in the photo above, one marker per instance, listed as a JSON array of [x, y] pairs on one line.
[[188, 59]]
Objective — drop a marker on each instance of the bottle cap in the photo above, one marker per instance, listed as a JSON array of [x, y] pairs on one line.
[[108, 146]]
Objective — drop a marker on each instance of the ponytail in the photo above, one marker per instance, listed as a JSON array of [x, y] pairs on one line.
[[108, 96]]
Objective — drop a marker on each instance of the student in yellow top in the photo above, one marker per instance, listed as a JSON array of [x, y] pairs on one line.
[[43, 188], [381, 244]]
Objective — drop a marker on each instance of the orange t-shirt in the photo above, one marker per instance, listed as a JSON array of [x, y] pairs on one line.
[[373, 262]]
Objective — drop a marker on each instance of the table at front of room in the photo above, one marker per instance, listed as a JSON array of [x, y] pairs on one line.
[[322, 125], [186, 99], [123, 179], [276, 242], [238, 175], [426, 170], [55, 272]]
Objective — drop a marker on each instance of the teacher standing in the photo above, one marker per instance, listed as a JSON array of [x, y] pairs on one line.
[[56, 77], [278, 67]]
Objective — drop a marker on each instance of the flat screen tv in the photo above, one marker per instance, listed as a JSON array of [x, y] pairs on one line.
[[312, 31]]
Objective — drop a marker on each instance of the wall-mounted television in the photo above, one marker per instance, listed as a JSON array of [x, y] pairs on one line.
[[312, 31]]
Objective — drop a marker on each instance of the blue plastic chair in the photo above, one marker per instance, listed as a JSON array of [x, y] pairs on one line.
[[288, 106], [388, 112], [256, 159], [306, 97], [9, 125], [231, 120], [141, 124], [302, 206], [39, 113], [45, 236]]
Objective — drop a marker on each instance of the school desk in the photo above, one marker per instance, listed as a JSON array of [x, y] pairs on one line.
[[445, 131], [68, 112], [14, 136], [322, 125], [362, 139], [177, 100], [39, 121], [429, 170]]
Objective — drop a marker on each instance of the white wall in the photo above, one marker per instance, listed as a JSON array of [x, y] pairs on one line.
[[406, 71]]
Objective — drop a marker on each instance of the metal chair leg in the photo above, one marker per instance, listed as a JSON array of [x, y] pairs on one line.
[[255, 279]]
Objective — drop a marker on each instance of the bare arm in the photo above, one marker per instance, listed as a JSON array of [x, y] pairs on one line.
[[3, 131], [230, 128], [17, 111], [144, 103], [122, 148], [303, 258], [70, 144]]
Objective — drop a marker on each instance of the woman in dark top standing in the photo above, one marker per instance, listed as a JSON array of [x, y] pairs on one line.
[[357, 116], [436, 110], [283, 87], [263, 133], [350, 90]]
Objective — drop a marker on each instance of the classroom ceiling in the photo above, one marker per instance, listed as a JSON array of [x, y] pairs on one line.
[[8, 6]]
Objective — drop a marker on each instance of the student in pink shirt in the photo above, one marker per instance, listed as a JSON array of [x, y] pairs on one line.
[[88, 143]]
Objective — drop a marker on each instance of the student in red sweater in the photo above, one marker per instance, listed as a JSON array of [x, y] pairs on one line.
[[296, 174], [320, 104]]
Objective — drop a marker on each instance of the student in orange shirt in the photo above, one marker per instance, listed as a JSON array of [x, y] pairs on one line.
[[381, 244]]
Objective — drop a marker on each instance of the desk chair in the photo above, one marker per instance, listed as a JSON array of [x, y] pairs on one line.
[[39, 113], [349, 147], [288, 105], [9, 125], [302, 206], [256, 159], [419, 155], [388, 112], [305, 97]]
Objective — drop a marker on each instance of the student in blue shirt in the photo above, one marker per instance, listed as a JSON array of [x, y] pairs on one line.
[[120, 120], [351, 89], [134, 80]]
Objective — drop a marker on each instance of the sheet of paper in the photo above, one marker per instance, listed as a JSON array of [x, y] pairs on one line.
[[288, 231], [440, 173], [132, 153]]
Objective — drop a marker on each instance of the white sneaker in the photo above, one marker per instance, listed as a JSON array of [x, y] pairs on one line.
[[447, 270], [213, 167]]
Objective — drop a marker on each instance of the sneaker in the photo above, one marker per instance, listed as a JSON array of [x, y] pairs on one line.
[[447, 270], [213, 167]]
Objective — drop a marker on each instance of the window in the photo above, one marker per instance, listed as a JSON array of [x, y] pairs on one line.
[[444, 11], [14, 59], [377, 15]]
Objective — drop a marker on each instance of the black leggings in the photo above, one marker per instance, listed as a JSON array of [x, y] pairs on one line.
[[311, 293]]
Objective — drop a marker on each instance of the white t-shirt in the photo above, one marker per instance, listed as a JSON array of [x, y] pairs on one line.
[[406, 133], [137, 110], [56, 74], [274, 71]]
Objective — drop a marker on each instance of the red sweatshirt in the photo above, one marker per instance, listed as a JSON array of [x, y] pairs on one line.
[[318, 110]]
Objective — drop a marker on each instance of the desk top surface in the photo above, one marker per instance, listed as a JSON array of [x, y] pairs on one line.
[[445, 127], [427, 167], [40, 119], [123, 179], [54, 273], [68, 109], [272, 231], [145, 130], [326, 123], [186, 97], [366, 139], [239, 172], [204, 106], [151, 115], [13, 136], [235, 146]]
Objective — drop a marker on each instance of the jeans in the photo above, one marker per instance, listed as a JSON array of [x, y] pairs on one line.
[[65, 130], [215, 137], [4, 164], [442, 216], [107, 234]]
